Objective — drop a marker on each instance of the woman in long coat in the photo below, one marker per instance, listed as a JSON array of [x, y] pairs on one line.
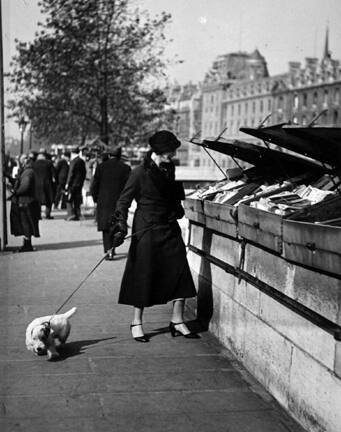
[[25, 208], [157, 270], [45, 176]]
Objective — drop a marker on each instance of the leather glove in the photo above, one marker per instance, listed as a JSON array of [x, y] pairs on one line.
[[118, 230], [118, 239]]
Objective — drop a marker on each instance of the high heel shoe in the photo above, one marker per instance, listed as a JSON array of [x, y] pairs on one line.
[[176, 332], [142, 338]]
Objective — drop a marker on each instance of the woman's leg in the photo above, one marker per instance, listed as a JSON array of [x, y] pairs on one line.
[[136, 326], [27, 245], [138, 313], [178, 310], [177, 325]]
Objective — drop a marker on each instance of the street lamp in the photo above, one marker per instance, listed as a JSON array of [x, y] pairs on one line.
[[22, 126]]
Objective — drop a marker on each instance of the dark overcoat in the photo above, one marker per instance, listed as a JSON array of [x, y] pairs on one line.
[[62, 170], [25, 208], [108, 182], [45, 178], [76, 175], [157, 270]]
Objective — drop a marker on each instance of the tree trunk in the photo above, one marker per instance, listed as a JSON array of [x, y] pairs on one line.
[[104, 121]]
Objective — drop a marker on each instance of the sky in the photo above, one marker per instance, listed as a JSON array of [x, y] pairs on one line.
[[282, 30]]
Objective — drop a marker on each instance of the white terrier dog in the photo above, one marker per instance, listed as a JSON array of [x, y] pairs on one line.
[[45, 334]]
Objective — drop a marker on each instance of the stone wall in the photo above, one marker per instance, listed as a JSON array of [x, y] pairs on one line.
[[298, 361]]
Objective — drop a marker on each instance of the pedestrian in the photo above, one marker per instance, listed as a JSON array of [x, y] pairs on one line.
[[108, 182], [157, 270], [45, 181], [74, 185], [33, 154], [25, 208], [62, 169]]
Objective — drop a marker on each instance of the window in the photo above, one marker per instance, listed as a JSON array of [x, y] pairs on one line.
[[304, 100], [261, 106], [315, 98], [337, 95], [253, 106], [296, 100], [335, 117], [269, 104], [325, 97], [246, 107], [238, 109]]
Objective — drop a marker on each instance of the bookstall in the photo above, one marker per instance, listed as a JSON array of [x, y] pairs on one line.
[[265, 251]]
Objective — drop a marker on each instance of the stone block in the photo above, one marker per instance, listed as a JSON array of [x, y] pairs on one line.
[[316, 291], [196, 236], [222, 280], [247, 295], [337, 363], [226, 249], [310, 338], [315, 394], [319, 292], [268, 357], [194, 261], [267, 267]]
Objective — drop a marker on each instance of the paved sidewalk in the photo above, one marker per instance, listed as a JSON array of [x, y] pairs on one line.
[[106, 381]]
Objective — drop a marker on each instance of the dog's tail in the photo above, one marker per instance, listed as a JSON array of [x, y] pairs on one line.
[[69, 313]]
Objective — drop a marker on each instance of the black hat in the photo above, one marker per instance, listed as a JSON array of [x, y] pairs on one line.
[[164, 142], [116, 152], [74, 149]]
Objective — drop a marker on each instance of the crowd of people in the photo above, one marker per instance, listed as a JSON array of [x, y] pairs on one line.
[[39, 181]]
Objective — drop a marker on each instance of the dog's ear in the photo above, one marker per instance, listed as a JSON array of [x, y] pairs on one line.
[[46, 329]]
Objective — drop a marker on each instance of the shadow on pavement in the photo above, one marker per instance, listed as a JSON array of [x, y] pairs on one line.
[[75, 348], [68, 245]]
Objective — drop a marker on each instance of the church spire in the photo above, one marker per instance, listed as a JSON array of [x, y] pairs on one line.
[[326, 53]]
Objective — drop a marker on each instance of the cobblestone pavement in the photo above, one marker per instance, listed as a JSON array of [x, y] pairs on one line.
[[105, 380]]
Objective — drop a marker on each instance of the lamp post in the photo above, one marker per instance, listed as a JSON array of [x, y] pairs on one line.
[[22, 126], [3, 208]]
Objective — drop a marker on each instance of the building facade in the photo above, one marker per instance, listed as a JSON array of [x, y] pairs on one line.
[[186, 101], [237, 91]]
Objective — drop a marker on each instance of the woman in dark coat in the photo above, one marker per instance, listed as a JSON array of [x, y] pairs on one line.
[[25, 208], [45, 178], [107, 184], [61, 172], [157, 270]]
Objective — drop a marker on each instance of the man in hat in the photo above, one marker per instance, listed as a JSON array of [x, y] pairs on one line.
[[45, 181], [108, 182], [74, 185], [62, 169]]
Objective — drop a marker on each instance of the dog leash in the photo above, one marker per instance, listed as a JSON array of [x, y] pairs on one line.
[[94, 268]]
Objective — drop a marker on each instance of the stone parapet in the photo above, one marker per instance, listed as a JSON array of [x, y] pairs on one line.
[[281, 318]]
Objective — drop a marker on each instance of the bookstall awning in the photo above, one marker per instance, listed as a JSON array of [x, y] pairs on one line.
[[320, 143], [262, 157]]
